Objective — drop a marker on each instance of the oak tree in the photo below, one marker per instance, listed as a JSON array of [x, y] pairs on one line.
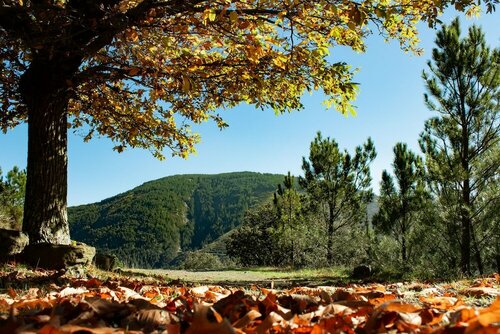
[[140, 71]]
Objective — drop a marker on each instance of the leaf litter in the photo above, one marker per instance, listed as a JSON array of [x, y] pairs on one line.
[[129, 305]]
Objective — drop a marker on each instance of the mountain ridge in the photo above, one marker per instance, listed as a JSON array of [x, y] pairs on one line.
[[148, 225]]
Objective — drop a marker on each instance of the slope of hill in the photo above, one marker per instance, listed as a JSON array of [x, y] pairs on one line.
[[148, 225]]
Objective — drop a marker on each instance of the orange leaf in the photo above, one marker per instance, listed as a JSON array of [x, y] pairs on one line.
[[491, 314], [49, 329], [12, 293], [441, 303], [316, 330], [398, 306], [133, 71], [381, 300], [489, 318]]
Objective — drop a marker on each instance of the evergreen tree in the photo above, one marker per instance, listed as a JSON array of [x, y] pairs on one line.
[[461, 144], [255, 243], [400, 204], [288, 204], [12, 198], [338, 183]]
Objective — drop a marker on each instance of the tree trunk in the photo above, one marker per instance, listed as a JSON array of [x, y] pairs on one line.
[[44, 90], [329, 246], [404, 257], [477, 252], [497, 256], [403, 249], [466, 232]]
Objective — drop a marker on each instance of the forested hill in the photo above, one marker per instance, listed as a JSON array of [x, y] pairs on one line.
[[148, 225]]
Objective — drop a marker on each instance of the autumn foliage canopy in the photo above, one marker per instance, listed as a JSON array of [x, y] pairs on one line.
[[136, 70]]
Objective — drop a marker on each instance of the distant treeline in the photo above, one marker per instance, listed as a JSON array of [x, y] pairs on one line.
[[149, 225]]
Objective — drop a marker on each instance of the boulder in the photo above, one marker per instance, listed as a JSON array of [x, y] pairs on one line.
[[105, 261], [51, 256], [12, 242], [361, 272]]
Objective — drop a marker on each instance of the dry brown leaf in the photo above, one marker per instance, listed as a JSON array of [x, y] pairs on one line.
[[129, 293], [441, 303], [481, 291], [208, 321], [199, 291], [271, 320], [381, 300], [247, 319], [399, 306], [12, 293], [68, 291], [70, 329], [109, 309], [150, 319], [325, 297], [491, 314]]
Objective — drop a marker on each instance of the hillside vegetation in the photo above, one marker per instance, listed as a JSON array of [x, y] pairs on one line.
[[147, 226]]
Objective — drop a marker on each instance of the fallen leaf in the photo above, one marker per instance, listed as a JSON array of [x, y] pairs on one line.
[[247, 318], [481, 291], [441, 303], [71, 291], [208, 321]]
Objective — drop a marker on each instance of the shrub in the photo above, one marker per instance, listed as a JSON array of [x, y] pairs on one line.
[[201, 261]]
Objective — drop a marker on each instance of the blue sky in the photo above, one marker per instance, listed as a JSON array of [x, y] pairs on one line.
[[390, 110]]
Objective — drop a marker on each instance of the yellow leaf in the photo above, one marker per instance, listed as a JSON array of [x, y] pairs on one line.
[[234, 17], [211, 15], [323, 50], [186, 85]]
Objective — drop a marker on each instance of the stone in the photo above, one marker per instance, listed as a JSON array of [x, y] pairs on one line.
[[361, 272], [12, 242], [51, 256], [105, 261]]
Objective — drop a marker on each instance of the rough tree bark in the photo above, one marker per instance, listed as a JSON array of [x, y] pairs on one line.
[[45, 91]]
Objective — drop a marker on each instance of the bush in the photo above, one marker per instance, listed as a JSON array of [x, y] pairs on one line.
[[201, 261]]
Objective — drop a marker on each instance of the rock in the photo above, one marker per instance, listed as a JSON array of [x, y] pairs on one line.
[[51, 256], [12, 242], [105, 261], [361, 272]]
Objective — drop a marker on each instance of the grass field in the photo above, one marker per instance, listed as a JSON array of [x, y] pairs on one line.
[[262, 276]]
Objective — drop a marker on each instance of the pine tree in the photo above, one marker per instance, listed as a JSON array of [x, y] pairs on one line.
[[12, 189], [461, 144], [288, 204], [401, 203], [338, 183]]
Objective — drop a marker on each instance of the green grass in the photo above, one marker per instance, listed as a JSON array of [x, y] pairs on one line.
[[248, 276]]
